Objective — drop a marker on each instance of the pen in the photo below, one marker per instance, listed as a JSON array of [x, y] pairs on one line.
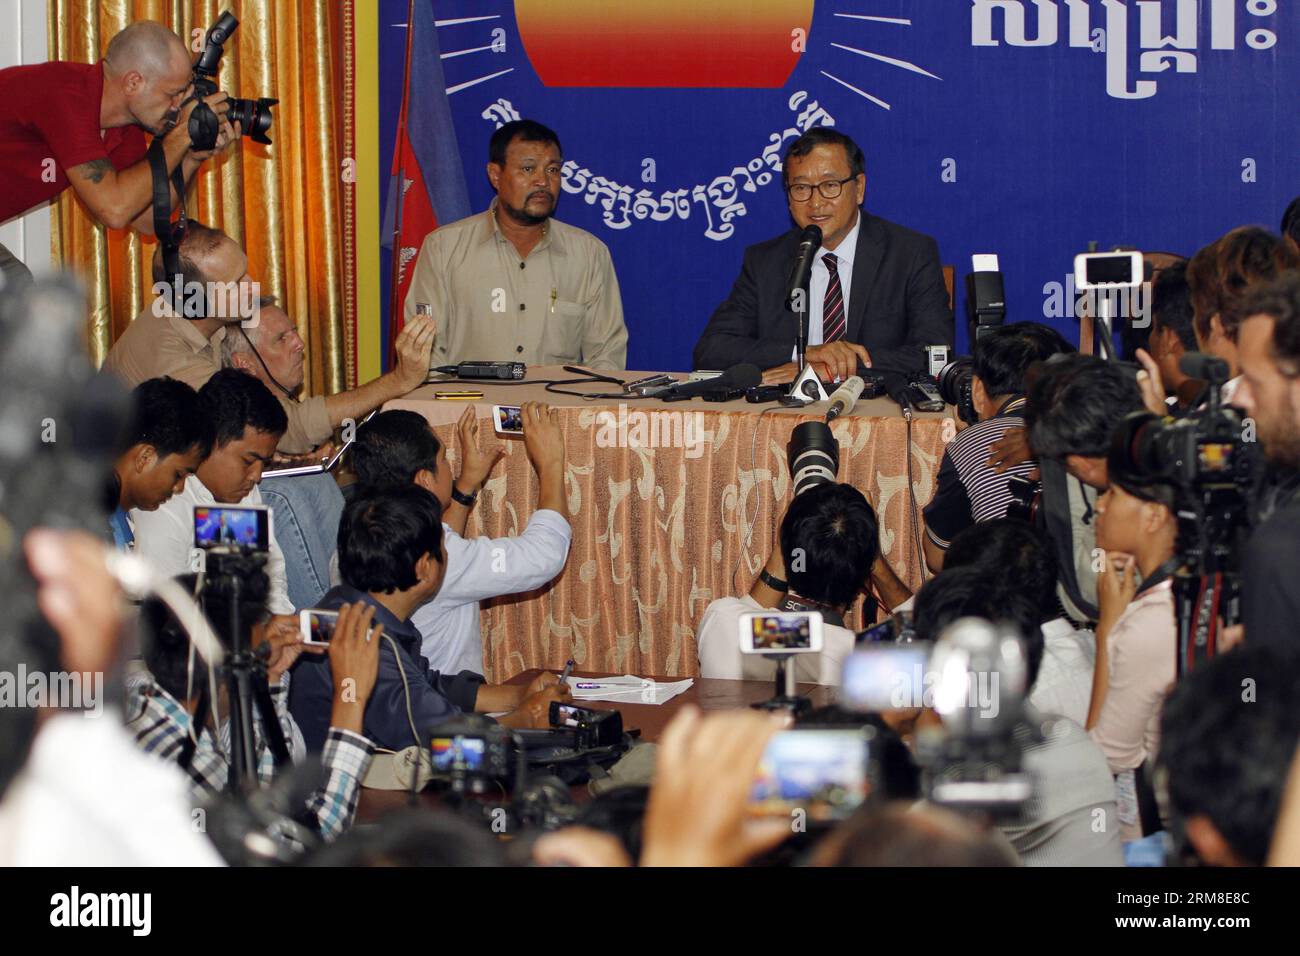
[[554, 293], [568, 669], [589, 686]]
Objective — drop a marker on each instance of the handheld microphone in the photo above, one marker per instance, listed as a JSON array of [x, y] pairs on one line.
[[810, 240], [737, 377], [845, 397]]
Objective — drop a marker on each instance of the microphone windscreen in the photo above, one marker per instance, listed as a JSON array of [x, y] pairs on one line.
[[896, 387], [744, 376], [812, 234]]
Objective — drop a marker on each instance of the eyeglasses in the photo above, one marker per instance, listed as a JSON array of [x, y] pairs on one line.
[[831, 189]]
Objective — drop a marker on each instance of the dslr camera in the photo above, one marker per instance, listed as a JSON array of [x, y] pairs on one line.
[[253, 115]]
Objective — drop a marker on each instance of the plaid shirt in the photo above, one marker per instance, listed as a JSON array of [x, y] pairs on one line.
[[161, 727]]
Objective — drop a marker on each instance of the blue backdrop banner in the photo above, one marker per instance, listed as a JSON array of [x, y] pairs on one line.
[[1025, 128]]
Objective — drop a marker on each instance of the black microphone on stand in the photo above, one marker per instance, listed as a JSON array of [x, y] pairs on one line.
[[810, 240], [796, 289]]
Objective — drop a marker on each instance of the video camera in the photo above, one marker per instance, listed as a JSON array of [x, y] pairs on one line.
[[473, 756], [975, 678], [204, 125], [1204, 457]]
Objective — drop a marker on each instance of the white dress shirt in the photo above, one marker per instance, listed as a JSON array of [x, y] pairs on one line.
[[718, 642], [87, 796], [483, 568], [820, 278], [165, 538]]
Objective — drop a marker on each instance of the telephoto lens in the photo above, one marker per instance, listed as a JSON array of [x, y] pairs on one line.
[[814, 456], [955, 387]]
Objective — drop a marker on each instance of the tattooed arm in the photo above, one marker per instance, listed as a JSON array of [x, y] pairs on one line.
[[117, 197], [121, 198]]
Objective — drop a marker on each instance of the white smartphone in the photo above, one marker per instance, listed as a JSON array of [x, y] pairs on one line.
[[317, 626], [781, 632], [1108, 270], [508, 419]]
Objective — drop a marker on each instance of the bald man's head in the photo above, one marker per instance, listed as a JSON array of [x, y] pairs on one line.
[[148, 67], [212, 259]]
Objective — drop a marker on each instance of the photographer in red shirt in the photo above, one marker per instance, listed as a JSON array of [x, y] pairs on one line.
[[83, 125]]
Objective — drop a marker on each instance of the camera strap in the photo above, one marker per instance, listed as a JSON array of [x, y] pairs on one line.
[[167, 232], [828, 613], [1159, 575]]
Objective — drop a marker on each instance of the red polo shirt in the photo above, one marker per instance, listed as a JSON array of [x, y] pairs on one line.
[[50, 111]]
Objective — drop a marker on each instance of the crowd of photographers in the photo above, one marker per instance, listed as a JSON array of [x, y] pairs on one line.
[[1099, 509]]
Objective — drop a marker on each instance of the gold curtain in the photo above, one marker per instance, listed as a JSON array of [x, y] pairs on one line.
[[283, 203]]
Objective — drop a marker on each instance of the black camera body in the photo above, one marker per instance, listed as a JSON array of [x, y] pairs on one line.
[[591, 728], [253, 115]]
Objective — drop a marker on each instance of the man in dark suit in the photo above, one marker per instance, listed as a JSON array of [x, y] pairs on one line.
[[876, 294]]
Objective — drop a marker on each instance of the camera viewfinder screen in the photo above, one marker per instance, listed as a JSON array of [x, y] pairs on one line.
[[823, 772], [885, 677], [1110, 270], [230, 527], [568, 716], [462, 754], [773, 633], [322, 625]]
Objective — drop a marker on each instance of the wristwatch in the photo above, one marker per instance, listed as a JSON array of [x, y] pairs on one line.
[[461, 498], [775, 583]]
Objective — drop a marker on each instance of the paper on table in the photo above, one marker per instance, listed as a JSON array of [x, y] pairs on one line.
[[628, 689]]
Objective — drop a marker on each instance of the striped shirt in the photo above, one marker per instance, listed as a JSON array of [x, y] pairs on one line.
[[161, 726], [968, 490]]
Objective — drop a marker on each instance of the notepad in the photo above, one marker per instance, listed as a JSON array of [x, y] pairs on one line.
[[628, 689]]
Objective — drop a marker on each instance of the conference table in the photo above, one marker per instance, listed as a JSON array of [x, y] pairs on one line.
[[672, 505]]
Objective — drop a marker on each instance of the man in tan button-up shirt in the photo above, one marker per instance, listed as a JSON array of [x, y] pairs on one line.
[[513, 283], [158, 342]]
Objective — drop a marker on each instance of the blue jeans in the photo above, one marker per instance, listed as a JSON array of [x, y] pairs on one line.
[[307, 510]]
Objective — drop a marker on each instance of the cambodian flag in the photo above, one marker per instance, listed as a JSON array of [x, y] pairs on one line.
[[428, 180]]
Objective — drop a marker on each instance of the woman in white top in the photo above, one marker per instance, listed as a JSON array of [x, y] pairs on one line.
[[1136, 632]]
